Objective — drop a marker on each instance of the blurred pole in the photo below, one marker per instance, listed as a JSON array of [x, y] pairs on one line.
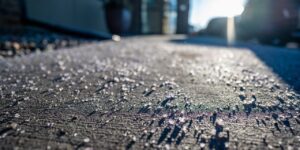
[[136, 17], [183, 16], [230, 31]]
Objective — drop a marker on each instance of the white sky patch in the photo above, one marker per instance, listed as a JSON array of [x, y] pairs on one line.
[[204, 10]]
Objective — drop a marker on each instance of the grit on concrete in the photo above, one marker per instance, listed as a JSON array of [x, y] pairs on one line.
[[151, 92]]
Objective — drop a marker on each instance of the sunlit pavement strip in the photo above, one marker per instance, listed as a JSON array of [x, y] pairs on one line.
[[147, 92]]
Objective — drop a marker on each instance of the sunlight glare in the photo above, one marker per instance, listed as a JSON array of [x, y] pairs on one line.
[[229, 8], [204, 10], [230, 30]]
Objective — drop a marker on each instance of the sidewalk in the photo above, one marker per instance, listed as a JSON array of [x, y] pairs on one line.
[[151, 92]]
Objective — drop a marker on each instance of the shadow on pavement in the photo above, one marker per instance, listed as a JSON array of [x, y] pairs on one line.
[[284, 62]]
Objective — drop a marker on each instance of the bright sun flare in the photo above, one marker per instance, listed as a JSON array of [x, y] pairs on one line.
[[227, 8], [204, 10]]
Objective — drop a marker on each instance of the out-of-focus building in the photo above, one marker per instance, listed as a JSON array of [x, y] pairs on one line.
[[11, 12], [268, 21], [151, 16], [76, 15], [298, 15], [161, 16], [299, 18], [88, 16]]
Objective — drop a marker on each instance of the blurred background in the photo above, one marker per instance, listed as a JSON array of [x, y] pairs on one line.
[[29, 25]]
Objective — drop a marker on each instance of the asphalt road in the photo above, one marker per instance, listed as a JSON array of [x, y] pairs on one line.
[[152, 92]]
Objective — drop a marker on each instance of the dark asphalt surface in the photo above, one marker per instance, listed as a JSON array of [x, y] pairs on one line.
[[152, 92]]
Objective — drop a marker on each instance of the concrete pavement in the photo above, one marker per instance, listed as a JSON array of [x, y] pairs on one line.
[[151, 92]]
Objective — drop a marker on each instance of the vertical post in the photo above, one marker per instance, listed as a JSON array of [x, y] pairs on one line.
[[230, 31], [136, 24], [161, 4], [183, 7]]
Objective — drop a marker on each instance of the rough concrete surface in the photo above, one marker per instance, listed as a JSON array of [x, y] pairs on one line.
[[152, 93]]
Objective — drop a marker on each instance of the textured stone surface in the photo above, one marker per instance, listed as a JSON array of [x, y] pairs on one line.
[[151, 92]]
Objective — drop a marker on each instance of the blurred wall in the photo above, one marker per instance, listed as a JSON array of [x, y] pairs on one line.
[[10, 12], [78, 15], [299, 17]]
